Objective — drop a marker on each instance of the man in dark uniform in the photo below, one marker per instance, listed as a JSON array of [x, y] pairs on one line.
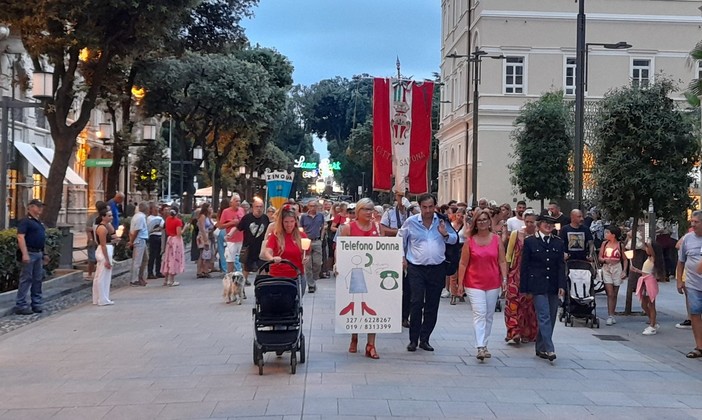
[[31, 238], [543, 276]]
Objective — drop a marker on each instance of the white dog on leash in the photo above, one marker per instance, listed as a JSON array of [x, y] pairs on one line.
[[233, 287]]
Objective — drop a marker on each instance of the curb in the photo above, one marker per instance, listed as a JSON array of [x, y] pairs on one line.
[[59, 286]]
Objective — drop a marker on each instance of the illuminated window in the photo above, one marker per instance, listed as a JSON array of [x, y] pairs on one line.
[[12, 181], [38, 186]]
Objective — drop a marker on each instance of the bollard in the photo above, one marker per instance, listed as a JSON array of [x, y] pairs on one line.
[[66, 258]]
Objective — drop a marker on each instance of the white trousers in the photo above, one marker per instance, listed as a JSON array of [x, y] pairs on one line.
[[483, 304], [103, 277]]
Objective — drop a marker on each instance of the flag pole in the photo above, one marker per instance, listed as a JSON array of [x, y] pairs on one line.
[[397, 63]]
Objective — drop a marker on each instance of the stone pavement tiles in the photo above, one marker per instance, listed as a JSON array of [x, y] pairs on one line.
[[181, 353]]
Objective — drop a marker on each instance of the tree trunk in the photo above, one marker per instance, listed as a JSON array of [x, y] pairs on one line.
[[112, 184], [633, 277], [53, 198]]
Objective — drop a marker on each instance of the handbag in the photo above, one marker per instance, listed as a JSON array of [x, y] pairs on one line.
[[206, 254]]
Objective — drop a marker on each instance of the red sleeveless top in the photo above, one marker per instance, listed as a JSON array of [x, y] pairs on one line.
[[357, 231], [483, 271]]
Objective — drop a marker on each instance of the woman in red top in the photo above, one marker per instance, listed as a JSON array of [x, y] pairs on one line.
[[285, 243], [482, 263], [174, 256], [362, 226]]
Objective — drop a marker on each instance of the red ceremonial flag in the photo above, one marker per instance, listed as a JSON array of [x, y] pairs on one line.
[[382, 147], [401, 134]]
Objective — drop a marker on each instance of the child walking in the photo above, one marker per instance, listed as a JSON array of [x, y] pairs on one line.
[[652, 271]]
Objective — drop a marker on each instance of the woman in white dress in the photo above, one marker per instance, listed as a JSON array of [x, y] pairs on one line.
[[103, 255]]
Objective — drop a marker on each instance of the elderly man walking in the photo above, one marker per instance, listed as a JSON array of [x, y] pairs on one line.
[[690, 263], [313, 224], [138, 238], [425, 237]]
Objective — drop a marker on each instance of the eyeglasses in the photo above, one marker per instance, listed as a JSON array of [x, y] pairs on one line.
[[483, 220]]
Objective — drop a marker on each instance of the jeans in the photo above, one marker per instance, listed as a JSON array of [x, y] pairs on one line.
[[546, 307], [154, 255], [426, 283], [31, 277], [220, 250], [138, 262], [314, 266], [483, 304]]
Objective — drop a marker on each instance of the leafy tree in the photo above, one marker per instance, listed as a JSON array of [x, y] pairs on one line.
[[542, 144], [151, 167], [331, 109], [219, 100], [55, 32], [646, 149]]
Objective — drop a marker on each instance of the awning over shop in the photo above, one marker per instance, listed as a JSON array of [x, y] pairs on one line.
[[40, 158], [71, 175]]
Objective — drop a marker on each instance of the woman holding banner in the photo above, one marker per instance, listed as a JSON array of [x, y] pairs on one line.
[[362, 226]]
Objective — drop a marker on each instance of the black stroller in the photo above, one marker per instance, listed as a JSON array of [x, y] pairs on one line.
[[580, 297], [277, 317]]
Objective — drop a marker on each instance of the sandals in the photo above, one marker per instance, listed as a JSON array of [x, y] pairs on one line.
[[694, 354], [370, 351], [353, 347]]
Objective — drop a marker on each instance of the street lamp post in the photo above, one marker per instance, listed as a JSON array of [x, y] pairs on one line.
[[41, 90], [476, 57], [580, 87]]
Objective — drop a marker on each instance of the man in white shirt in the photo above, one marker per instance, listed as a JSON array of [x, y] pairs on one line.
[[138, 236], [155, 224], [516, 222]]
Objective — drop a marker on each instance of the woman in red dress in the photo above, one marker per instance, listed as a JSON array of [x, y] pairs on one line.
[[362, 226], [520, 317]]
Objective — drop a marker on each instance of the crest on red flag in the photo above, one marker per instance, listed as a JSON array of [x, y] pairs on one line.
[[401, 134]]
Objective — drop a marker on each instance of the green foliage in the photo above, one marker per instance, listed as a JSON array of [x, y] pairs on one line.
[[9, 266], [214, 25], [151, 167], [646, 149], [331, 109], [542, 144]]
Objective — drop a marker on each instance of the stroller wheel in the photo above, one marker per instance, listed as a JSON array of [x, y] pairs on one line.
[[302, 348], [293, 363], [260, 366]]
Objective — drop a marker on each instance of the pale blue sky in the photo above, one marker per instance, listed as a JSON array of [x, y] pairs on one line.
[[328, 38]]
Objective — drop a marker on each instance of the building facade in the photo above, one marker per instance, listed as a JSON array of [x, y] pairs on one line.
[[537, 40]]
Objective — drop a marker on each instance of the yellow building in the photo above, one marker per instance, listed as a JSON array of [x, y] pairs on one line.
[[537, 39]]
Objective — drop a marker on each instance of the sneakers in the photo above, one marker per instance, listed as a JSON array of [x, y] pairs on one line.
[[686, 324], [445, 293], [650, 330], [24, 311], [611, 321]]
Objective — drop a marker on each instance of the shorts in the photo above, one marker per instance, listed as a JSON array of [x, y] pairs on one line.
[[612, 274], [252, 265], [694, 301], [91, 253], [231, 251]]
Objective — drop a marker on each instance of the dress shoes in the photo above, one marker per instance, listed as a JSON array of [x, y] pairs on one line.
[[542, 354], [405, 323], [424, 345], [37, 309], [412, 346], [551, 356]]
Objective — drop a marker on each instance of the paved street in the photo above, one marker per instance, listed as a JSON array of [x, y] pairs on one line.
[[168, 353]]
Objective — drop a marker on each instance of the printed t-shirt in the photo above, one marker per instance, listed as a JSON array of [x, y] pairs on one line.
[[291, 253]]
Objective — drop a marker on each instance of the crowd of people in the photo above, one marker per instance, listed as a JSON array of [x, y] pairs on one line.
[[486, 254]]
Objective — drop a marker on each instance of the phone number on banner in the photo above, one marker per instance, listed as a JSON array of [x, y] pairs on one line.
[[368, 323]]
